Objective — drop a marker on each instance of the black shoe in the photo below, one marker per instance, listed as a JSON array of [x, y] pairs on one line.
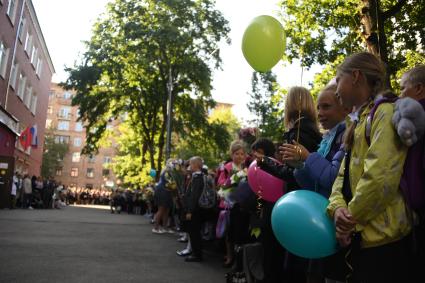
[[184, 252], [193, 258]]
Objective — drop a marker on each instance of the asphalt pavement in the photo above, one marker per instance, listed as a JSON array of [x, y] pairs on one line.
[[86, 244]]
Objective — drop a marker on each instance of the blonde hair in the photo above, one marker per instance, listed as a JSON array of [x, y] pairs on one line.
[[373, 70], [237, 145], [370, 66], [299, 99], [416, 75]]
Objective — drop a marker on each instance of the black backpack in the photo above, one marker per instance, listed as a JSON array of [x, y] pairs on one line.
[[208, 198]]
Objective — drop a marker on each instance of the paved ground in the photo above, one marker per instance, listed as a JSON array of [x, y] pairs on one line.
[[79, 244]]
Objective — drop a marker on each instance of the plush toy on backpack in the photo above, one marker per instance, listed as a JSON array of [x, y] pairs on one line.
[[409, 120]]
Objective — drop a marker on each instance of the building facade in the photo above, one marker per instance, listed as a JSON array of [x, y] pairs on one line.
[[77, 170], [26, 70]]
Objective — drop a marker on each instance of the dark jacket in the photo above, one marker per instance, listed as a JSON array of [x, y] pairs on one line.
[[193, 192], [309, 137]]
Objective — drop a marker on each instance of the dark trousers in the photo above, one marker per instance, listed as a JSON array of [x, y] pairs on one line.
[[27, 200], [389, 263], [194, 229]]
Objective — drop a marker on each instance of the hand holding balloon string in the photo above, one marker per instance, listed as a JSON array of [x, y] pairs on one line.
[[345, 225], [294, 152]]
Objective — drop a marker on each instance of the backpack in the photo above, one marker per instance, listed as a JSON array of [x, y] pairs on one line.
[[208, 198], [412, 183]]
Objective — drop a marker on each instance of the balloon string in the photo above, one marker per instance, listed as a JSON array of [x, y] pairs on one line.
[[260, 193]]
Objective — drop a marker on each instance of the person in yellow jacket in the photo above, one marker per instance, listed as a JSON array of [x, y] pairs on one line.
[[368, 209]]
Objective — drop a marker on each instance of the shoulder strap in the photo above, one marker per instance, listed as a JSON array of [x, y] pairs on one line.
[[346, 187], [369, 119]]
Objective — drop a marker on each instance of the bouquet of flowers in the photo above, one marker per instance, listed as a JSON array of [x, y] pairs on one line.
[[238, 176]]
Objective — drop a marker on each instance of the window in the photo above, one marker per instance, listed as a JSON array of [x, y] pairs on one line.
[[27, 97], [78, 127], [90, 172], [33, 103], [65, 112], [22, 29], [107, 159], [34, 56], [48, 123], [67, 95], [76, 157], [92, 158], [14, 75], [77, 142], [11, 10], [28, 44], [39, 67], [21, 85], [63, 125], [49, 110], [105, 172], [58, 171], [74, 172], [61, 139], [4, 54]]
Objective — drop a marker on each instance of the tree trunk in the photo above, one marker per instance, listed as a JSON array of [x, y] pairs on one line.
[[368, 19]]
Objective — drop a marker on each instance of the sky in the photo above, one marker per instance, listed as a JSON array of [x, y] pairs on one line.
[[65, 24]]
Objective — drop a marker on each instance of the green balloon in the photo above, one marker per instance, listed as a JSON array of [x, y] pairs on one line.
[[263, 43]]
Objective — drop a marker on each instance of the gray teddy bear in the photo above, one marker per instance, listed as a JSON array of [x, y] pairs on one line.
[[409, 120]]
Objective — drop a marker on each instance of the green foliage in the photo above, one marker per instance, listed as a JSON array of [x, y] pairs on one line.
[[321, 31], [53, 155], [266, 103], [137, 47], [213, 143], [413, 59]]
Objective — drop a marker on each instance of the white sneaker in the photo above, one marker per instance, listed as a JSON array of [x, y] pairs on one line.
[[158, 231], [170, 231], [30, 207]]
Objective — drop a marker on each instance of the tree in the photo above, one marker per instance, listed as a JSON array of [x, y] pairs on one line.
[[137, 47], [53, 155], [266, 104], [212, 145], [320, 31]]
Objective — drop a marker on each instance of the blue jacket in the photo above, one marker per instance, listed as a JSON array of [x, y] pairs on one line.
[[319, 173]]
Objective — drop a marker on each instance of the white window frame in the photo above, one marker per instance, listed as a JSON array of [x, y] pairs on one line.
[[39, 67], [28, 96], [91, 174], [67, 95], [13, 75], [79, 127], [80, 141], [74, 172], [76, 157], [4, 56], [28, 42], [22, 81], [11, 11], [34, 56], [61, 124], [107, 159], [22, 26], [34, 99], [65, 112]]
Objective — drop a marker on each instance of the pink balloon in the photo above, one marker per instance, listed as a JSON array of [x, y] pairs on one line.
[[263, 184]]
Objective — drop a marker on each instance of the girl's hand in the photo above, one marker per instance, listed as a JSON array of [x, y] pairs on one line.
[[293, 152], [343, 239], [344, 221]]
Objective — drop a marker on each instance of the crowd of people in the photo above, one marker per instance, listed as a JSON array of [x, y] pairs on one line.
[[357, 146]]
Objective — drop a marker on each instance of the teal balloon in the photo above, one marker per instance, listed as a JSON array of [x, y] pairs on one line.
[[152, 173], [301, 225], [263, 43]]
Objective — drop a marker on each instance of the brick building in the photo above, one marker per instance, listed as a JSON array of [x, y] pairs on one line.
[[25, 75], [77, 170]]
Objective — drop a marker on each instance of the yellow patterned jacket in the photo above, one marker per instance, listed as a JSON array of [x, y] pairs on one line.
[[377, 204]]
